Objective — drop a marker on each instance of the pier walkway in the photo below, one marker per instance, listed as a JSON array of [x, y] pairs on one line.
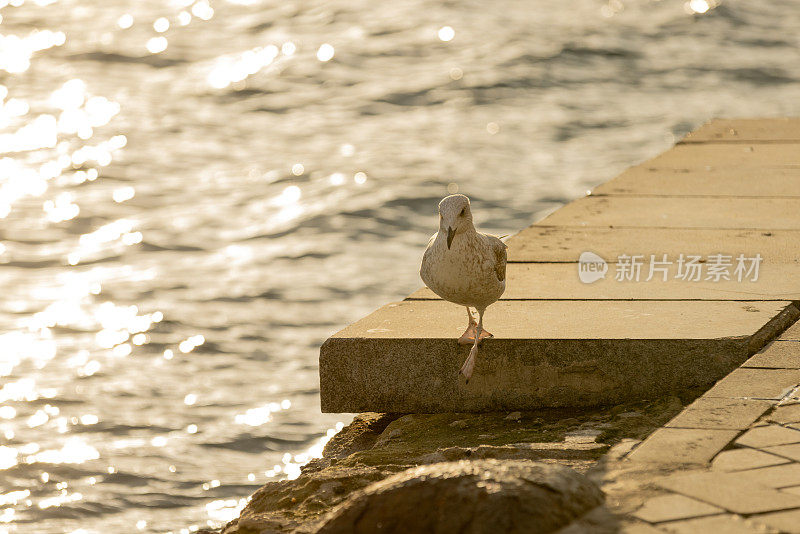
[[669, 276]]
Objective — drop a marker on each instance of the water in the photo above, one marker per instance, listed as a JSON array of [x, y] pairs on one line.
[[181, 227]]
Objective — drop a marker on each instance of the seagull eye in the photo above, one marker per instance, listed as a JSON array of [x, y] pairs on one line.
[[463, 212]]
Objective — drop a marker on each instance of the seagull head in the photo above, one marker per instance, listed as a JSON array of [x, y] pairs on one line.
[[455, 216]]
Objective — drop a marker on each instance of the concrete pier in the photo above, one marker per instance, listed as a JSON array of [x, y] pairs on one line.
[[730, 190]]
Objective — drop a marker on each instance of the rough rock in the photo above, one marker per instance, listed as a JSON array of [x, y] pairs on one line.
[[288, 505], [376, 446], [484, 496], [361, 434]]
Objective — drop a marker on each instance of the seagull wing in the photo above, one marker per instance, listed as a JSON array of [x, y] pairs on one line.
[[499, 249]]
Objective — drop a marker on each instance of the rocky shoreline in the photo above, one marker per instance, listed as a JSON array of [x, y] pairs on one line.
[[375, 463]]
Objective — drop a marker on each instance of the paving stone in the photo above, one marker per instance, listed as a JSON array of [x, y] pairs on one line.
[[630, 527], [405, 358], [672, 507], [682, 446], [720, 413], [715, 182], [787, 522], [777, 476], [727, 155], [785, 414], [731, 492], [756, 383], [791, 451], [791, 334], [777, 355], [535, 281], [794, 490], [767, 436], [679, 212], [727, 524], [741, 459], [738, 130], [566, 243]]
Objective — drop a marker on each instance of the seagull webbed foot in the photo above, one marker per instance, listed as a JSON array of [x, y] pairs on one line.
[[468, 337]]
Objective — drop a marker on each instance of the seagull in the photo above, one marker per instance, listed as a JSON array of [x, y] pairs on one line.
[[465, 267]]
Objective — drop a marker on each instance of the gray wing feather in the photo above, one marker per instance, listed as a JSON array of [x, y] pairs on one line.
[[500, 257]]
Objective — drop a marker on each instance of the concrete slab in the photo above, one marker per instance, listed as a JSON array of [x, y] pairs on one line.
[[634, 527], [679, 212], [776, 476], [785, 415], [682, 446], [720, 413], [728, 523], [539, 243], [743, 130], [715, 182], [728, 155], [769, 436], [791, 451], [554, 281], [777, 355], [750, 383], [741, 459], [791, 334], [673, 507], [731, 492], [771, 384], [544, 353], [787, 522]]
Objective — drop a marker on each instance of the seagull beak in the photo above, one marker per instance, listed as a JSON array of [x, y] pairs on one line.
[[450, 235]]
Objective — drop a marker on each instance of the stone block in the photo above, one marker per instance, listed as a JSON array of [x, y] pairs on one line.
[[673, 507], [731, 492], [728, 156], [405, 358], [776, 476], [728, 524], [741, 459], [549, 281], [714, 182], [782, 129], [791, 334], [720, 413], [785, 415], [768, 436], [771, 384], [787, 522], [777, 355], [679, 212], [682, 446], [566, 243]]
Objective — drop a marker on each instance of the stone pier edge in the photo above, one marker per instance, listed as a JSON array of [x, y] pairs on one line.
[[713, 134], [730, 461]]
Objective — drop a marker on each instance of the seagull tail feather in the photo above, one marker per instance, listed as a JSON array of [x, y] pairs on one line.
[[469, 364]]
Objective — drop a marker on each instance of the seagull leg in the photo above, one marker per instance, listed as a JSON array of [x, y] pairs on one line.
[[469, 364], [468, 337], [469, 334]]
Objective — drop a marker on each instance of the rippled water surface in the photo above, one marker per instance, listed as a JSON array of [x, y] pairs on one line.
[[194, 195]]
